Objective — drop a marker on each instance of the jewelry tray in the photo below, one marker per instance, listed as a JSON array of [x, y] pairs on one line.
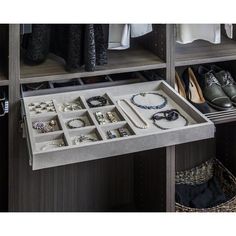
[[198, 128]]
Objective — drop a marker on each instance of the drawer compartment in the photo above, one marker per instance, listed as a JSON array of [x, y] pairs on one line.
[[93, 140]]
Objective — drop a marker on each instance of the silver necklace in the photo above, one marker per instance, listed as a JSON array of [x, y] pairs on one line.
[[145, 126]]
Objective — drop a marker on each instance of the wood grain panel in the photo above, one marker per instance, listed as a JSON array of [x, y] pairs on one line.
[[150, 180], [226, 145], [119, 62], [192, 154], [201, 51], [4, 164], [91, 186], [3, 79], [4, 30]]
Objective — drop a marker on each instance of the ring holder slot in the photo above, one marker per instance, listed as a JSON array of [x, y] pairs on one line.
[[85, 136], [52, 125], [42, 107], [85, 121], [115, 130], [50, 142], [111, 115]]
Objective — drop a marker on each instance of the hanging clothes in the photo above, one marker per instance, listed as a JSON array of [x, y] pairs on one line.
[[187, 33], [138, 30], [77, 44], [119, 34]]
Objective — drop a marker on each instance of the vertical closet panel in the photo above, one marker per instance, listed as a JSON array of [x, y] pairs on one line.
[[4, 31], [150, 180], [101, 185], [193, 154], [3, 163], [226, 145]]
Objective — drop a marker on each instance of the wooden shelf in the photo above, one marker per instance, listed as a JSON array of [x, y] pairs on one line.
[[119, 62], [3, 80], [201, 51]]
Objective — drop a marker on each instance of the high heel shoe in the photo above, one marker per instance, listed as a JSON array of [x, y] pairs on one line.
[[179, 86], [194, 92]]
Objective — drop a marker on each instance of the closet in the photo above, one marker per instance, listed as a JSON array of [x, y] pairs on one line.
[[138, 181], [4, 116]]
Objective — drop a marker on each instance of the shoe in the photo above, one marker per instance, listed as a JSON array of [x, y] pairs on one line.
[[179, 86], [227, 82], [212, 90], [194, 91]]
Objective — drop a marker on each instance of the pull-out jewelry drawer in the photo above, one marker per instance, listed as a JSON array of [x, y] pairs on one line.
[[66, 128]]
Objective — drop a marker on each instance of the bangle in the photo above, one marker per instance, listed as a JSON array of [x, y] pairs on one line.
[[169, 115], [76, 123], [97, 101], [163, 104]]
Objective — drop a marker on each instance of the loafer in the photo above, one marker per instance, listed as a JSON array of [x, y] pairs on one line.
[[227, 82], [194, 92], [212, 90]]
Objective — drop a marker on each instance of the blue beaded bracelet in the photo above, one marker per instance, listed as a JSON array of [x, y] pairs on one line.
[[160, 106]]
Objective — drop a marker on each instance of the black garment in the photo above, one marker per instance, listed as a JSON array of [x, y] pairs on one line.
[[100, 45], [37, 44], [204, 195], [77, 44], [89, 48]]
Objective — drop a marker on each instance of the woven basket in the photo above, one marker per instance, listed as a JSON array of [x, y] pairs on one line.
[[203, 173]]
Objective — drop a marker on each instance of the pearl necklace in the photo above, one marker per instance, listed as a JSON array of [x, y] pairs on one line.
[[145, 126]]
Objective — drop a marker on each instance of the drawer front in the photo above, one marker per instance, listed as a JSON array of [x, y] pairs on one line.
[[83, 133]]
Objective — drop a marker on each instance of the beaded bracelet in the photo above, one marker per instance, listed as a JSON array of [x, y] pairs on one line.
[[169, 115], [147, 106], [72, 123], [97, 101]]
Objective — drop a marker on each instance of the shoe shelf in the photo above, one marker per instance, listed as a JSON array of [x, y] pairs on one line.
[[3, 80], [198, 128], [220, 117], [118, 62], [200, 52]]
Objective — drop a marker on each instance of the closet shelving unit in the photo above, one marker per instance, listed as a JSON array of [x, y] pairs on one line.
[[3, 55], [4, 130], [203, 52], [125, 61], [113, 183]]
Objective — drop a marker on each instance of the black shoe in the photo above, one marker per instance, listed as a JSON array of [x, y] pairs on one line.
[[227, 82], [193, 91], [212, 90]]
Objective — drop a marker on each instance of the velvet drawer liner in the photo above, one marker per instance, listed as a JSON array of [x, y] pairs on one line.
[[93, 129]]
